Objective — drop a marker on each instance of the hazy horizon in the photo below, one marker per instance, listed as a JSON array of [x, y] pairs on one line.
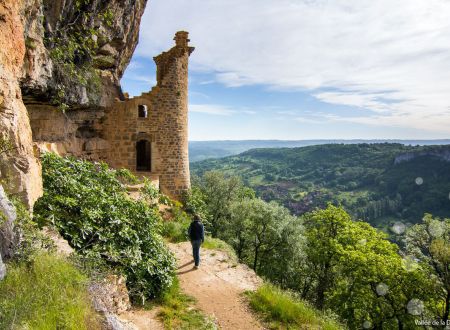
[[337, 139], [200, 150]]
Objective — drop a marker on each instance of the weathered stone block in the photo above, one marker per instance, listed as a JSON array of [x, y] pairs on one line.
[[7, 218], [2, 269]]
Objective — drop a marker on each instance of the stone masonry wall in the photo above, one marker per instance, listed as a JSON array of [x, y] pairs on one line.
[[166, 125], [123, 128], [77, 132], [110, 134], [171, 100]]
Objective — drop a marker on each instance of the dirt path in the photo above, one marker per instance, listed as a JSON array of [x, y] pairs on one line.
[[217, 286], [141, 319]]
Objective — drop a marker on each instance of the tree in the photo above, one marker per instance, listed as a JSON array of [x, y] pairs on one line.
[[256, 230], [219, 192], [358, 273], [430, 243], [323, 227]]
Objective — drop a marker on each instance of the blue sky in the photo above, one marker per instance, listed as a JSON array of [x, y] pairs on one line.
[[306, 69]]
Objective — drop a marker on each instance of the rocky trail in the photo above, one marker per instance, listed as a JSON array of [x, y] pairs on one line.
[[218, 286]]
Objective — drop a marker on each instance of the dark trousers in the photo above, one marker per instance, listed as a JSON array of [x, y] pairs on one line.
[[196, 250]]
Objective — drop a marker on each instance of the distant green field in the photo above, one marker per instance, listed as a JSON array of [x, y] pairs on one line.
[[364, 178]]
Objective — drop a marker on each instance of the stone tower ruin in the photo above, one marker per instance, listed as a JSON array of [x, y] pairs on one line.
[[147, 134]]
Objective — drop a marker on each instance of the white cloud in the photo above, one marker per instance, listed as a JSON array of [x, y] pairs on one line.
[[142, 79], [211, 109], [134, 65], [368, 101], [390, 57], [219, 110]]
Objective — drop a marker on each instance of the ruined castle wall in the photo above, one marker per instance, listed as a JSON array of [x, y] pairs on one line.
[[123, 128], [77, 133], [171, 101], [111, 134], [166, 125]]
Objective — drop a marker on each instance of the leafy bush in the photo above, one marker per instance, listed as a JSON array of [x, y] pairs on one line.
[[5, 145], [194, 202], [211, 243], [32, 240], [281, 310], [176, 230], [91, 209], [176, 224], [45, 293], [212, 196], [149, 193]]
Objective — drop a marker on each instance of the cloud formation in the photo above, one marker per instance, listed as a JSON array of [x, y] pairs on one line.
[[211, 109], [389, 57]]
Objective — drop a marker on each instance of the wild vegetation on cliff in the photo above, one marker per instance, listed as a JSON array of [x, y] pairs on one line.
[[76, 52], [47, 292], [90, 206], [111, 233], [41, 290]]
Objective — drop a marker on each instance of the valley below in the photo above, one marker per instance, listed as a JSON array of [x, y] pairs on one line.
[[381, 183]]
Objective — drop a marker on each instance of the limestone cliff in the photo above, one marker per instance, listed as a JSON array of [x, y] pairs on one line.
[[66, 53], [440, 152], [19, 168], [77, 50]]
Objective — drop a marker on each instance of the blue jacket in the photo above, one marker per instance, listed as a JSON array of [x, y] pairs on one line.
[[196, 231]]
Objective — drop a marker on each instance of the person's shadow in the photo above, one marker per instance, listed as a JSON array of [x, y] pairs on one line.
[[185, 271]]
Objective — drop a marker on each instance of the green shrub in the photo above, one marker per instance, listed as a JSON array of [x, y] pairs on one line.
[[32, 240], [281, 310], [176, 229], [91, 209], [149, 193], [194, 203], [211, 243], [45, 293]]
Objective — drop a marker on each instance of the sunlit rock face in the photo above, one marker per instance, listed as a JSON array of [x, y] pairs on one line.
[[32, 32], [19, 168]]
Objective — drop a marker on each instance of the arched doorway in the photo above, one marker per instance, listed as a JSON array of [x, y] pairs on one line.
[[143, 156]]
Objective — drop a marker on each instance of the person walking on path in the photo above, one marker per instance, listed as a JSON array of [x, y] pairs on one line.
[[197, 236]]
